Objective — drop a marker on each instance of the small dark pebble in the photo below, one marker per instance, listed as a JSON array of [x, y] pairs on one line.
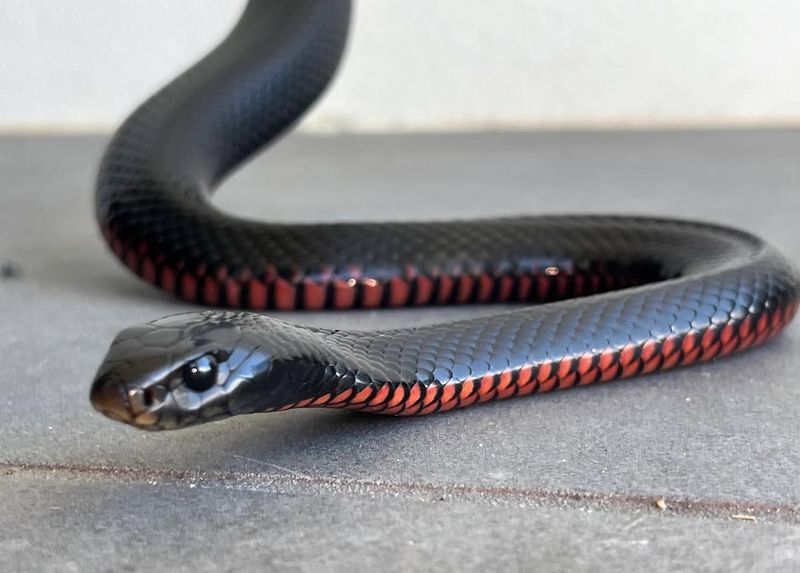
[[9, 269]]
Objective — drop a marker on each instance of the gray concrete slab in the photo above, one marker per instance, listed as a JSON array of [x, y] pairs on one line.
[[721, 435], [68, 524]]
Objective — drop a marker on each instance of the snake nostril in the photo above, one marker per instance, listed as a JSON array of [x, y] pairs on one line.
[[153, 396]]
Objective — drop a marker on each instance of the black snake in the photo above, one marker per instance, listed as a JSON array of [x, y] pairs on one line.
[[634, 295]]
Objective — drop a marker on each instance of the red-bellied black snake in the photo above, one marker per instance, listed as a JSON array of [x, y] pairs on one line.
[[621, 295]]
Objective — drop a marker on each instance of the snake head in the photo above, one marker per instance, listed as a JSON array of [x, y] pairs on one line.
[[179, 371]]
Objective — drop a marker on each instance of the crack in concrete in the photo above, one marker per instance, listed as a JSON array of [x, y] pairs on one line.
[[510, 495]]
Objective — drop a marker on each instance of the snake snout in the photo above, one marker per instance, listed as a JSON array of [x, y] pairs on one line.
[[108, 397], [136, 406]]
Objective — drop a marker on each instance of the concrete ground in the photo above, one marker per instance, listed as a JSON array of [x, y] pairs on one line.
[[565, 481]]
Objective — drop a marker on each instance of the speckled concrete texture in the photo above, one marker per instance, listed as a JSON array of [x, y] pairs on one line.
[[565, 481]]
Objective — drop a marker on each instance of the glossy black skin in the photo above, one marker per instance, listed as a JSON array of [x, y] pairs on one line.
[[153, 201]]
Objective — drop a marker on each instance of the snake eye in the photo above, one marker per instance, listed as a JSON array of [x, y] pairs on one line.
[[200, 374]]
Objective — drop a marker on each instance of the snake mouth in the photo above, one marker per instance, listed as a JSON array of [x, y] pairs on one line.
[[111, 397]]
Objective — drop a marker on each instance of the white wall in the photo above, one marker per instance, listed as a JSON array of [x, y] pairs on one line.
[[431, 64]]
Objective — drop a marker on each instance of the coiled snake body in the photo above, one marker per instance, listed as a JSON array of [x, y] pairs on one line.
[[622, 295]]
